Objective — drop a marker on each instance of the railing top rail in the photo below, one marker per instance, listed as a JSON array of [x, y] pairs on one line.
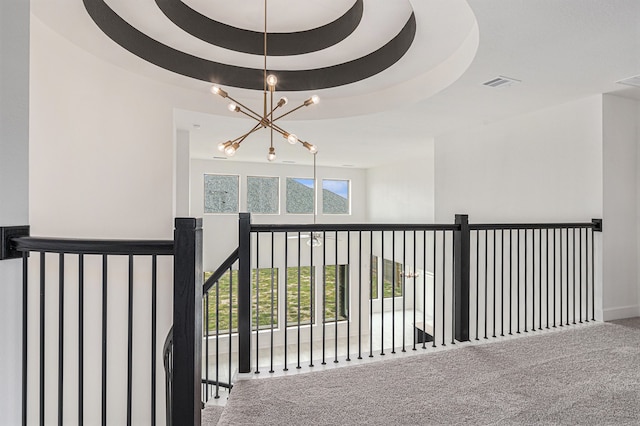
[[220, 271], [333, 227], [98, 247], [514, 226]]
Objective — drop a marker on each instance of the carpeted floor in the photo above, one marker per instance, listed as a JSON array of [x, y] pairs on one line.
[[587, 375]]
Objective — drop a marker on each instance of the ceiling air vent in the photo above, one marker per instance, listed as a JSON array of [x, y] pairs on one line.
[[501, 81], [631, 81]]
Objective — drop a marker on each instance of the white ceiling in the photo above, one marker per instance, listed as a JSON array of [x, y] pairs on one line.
[[560, 49]]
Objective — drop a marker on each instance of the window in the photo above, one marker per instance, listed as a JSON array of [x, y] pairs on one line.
[[336, 295], [263, 195], [220, 194], [335, 196], [304, 274], [264, 283], [392, 278], [374, 277], [300, 196]]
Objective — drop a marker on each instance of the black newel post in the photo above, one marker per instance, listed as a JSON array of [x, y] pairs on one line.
[[461, 278], [187, 322], [244, 294]]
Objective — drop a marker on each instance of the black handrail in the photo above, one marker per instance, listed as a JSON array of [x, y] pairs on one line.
[[98, 247], [333, 227], [222, 269], [507, 226]]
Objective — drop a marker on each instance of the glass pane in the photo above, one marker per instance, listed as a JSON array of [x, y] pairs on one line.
[[220, 194], [335, 196], [304, 274], [262, 195], [392, 278], [267, 287], [336, 298], [300, 196]]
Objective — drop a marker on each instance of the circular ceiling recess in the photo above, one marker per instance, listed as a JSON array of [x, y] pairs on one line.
[[246, 41]]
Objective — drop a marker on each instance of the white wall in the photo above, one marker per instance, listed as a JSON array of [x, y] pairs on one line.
[[101, 166], [14, 193], [542, 166], [621, 118], [221, 231], [545, 166], [403, 191]]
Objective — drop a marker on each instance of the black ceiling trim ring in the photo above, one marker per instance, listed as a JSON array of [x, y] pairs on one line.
[[188, 65], [252, 42]]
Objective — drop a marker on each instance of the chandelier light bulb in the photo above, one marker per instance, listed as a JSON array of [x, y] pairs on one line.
[[293, 139], [223, 145], [312, 148], [272, 154], [231, 149], [272, 80], [233, 107], [283, 101], [216, 90], [312, 100]]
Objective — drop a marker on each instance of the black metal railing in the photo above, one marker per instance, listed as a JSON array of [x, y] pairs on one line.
[[91, 281], [213, 375], [301, 295]]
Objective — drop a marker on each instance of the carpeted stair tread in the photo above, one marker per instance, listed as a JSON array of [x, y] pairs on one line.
[[211, 415]]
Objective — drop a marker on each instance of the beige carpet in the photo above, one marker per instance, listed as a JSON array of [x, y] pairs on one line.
[[587, 375]]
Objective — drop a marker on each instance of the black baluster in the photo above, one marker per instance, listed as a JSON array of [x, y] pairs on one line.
[[154, 325], [25, 316], [257, 284], [494, 283], [393, 292], [312, 287], [593, 277], [286, 303], [104, 340], [231, 320], [206, 346], [324, 296], [359, 294], [130, 340], [60, 338], [371, 284], [547, 280], [298, 366], [435, 304], [477, 282], [554, 278], [335, 324], [526, 260], [486, 279], [424, 287], [444, 284], [518, 280], [573, 265], [382, 295], [348, 275], [272, 275], [502, 282], [510, 278], [567, 267], [415, 271]]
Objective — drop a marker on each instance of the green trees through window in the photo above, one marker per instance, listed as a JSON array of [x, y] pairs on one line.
[[301, 298]]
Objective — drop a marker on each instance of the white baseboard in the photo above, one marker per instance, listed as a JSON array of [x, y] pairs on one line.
[[612, 314]]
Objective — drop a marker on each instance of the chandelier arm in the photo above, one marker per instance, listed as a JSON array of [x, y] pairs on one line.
[[260, 121], [256, 115], [278, 129], [289, 112], [241, 138]]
